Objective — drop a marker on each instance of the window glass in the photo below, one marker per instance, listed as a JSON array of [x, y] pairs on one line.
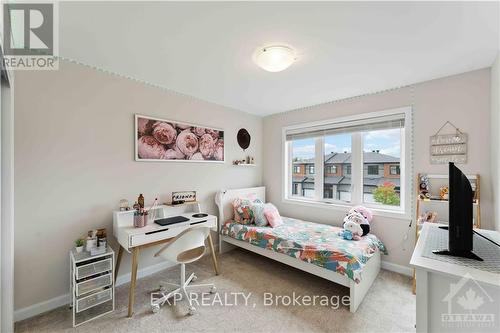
[[381, 164], [337, 161], [303, 153]]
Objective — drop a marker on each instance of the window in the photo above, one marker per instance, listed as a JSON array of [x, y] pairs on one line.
[[337, 150], [296, 169], [330, 169], [362, 161], [381, 146], [394, 170], [303, 154], [373, 170]]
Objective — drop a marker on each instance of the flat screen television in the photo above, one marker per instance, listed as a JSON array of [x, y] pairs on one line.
[[460, 230]]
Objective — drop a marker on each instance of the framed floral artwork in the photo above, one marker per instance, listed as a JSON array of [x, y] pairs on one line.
[[167, 140]]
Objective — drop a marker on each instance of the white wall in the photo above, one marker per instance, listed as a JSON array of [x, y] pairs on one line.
[[495, 138], [74, 155], [462, 99]]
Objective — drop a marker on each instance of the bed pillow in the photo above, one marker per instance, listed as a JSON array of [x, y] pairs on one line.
[[258, 212], [243, 212], [272, 215]]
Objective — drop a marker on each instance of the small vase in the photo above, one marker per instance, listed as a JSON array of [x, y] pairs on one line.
[[79, 249]]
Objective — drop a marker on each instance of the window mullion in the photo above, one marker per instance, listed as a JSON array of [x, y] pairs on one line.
[[318, 166], [357, 169]]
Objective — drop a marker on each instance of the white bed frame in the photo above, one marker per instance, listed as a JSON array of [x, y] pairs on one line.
[[224, 200]]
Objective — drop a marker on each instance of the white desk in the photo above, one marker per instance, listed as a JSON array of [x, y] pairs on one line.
[[133, 239], [443, 283]]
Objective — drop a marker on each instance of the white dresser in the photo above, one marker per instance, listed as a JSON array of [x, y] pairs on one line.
[[457, 294], [92, 285]]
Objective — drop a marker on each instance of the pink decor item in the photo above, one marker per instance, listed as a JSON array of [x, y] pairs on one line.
[[272, 215]]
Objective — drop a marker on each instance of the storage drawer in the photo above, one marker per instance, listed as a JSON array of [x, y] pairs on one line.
[[93, 268], [93, 284], [93, 300]]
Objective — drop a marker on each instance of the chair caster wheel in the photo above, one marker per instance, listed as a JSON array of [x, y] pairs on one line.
[[192, 310], [194, 278], [155, 308], [213, 290]]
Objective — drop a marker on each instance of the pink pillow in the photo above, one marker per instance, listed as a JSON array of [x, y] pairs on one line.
[[272, 215]]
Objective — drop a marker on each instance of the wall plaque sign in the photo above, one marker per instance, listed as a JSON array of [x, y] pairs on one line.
[[446, 148]]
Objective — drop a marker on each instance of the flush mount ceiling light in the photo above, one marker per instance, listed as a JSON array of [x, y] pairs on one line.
[[274, 58]]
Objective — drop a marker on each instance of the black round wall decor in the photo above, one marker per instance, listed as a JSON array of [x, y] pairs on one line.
[[243, 138]]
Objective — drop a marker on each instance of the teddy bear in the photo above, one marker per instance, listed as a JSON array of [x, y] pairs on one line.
[[352, 231], [362, 216]]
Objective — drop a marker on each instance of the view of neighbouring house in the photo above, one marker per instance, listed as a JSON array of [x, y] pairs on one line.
[[379, 170]]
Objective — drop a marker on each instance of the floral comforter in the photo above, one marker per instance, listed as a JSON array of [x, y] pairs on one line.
[[315, 243]]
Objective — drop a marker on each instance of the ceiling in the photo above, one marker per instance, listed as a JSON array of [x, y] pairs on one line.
[[344, 49]]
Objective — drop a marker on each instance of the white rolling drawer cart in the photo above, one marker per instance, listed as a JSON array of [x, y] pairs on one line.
[[92, 285]]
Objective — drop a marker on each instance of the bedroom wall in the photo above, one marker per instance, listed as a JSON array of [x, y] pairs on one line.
[[463, 99], [74, 156], [495, 137]]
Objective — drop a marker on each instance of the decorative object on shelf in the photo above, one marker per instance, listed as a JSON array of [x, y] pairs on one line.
[[243, 138], [424, 187], [136, 206], [183, 197], [427, 217], [443, 192], [249, 160], [140, 218], [91, 240], [166, 140], [124, 205], [92, 287], [140, 200], [79, 245], [446, 148]]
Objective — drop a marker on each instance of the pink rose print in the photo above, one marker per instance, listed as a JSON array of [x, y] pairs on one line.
[[219, 150], [187, 142], [199, 131], [164, 133], [207, 145], [213, 133], [174, 154], [197, 156], [149, 148], [144, 126]]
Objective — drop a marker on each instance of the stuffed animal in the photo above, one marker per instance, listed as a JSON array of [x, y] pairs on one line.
[[424, 187], [352, 231], [362, 216]]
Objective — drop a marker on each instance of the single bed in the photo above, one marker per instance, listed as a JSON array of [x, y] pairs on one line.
[[312, 247]]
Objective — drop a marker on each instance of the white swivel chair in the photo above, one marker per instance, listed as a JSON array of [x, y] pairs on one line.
[[185, 248]]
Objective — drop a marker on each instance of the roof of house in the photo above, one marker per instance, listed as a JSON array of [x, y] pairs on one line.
[[342, 158]]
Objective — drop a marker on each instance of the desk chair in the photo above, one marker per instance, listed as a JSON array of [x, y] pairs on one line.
[[185, 248]]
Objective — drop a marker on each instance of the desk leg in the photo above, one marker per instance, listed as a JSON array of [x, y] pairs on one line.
[[214, 258], [118, 261], [133, 278]]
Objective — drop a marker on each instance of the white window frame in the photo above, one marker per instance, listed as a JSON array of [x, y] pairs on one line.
[[406, 165]]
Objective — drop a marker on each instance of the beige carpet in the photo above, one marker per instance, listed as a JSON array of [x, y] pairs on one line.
[[388, 306]]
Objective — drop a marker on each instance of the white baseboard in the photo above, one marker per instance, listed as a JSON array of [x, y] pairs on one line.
[[56, 302], [405, 270]]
